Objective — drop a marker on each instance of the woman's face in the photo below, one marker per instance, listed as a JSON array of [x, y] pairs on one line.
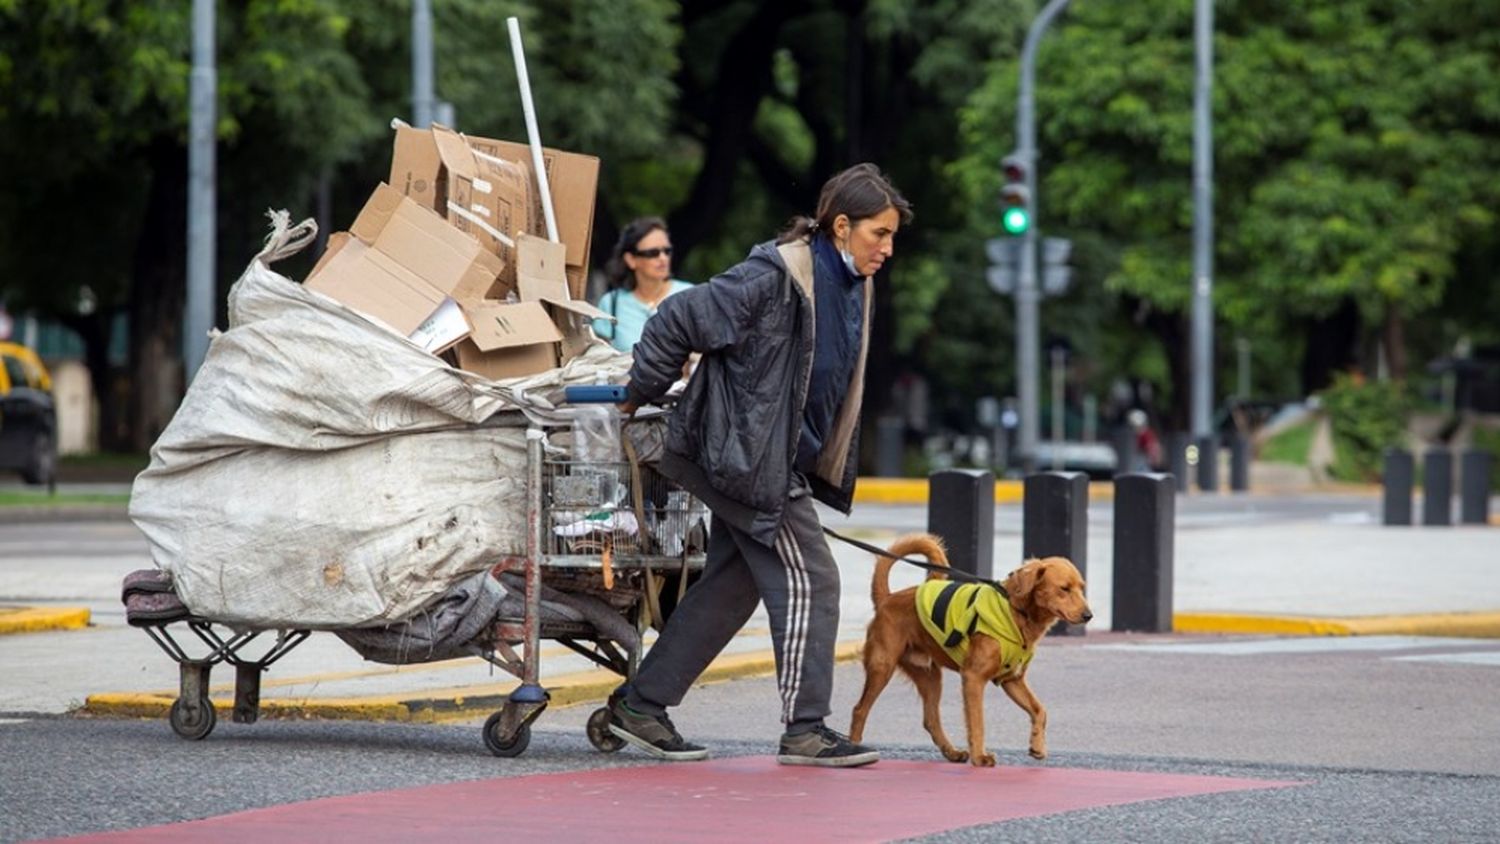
[[871, 241], [651, 259]]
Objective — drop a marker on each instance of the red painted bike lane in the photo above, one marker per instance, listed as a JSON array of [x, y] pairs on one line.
[[729, 800]]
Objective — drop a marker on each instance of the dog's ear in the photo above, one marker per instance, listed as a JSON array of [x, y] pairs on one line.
[[1023, 580]]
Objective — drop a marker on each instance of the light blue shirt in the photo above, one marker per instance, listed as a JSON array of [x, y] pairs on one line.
[[630, 315]]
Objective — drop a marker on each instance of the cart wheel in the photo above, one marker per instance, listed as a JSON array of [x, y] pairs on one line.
[[498, 745], [599, 735], [190, 727]]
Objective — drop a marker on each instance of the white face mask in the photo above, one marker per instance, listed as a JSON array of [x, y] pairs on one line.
[[848, 261]]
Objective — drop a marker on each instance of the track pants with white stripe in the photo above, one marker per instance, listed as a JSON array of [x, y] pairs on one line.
[[799, 582]]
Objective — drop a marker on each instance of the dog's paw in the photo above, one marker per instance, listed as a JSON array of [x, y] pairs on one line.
[[1038, 752], [983, 760], [953, 754]]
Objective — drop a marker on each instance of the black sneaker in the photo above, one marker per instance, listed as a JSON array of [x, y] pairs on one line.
[[654, 735], [824, 748]]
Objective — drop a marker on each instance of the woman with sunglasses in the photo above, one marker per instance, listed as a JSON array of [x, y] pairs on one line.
[[640, 277]]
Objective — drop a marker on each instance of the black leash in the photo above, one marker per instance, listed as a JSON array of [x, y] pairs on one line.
[[952, 573]]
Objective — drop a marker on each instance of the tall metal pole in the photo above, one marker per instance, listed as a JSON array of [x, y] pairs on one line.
[[202, 85], [1203, 224], [422, 97], [1027, 330]]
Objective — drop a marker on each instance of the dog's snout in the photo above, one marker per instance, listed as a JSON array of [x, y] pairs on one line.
[[1087, 616]]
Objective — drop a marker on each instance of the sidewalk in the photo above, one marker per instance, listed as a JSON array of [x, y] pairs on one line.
[[1277, 579]]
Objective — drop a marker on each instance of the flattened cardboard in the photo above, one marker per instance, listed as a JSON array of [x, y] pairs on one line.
[[540, 266], [574, 179]]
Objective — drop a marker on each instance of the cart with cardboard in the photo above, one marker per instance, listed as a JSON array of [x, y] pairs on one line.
[[388, 451], [419, 510]]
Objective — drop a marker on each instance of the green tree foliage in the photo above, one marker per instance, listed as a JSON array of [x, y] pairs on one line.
[[1355, 154], [93, 124]]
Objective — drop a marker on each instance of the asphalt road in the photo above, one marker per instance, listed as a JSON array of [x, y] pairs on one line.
[[1386, 740]]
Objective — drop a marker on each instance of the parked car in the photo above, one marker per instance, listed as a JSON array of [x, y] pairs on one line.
[[28, 416]]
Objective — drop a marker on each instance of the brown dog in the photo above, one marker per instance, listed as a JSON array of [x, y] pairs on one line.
[[988, 650]]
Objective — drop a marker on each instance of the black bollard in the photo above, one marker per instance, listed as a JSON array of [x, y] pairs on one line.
[[1437, 487], [1239, 463], [1208, 464], [1475, 482], [1397, 482], [1177, 446], [1055, 523], [961, 510], [1145, 514]]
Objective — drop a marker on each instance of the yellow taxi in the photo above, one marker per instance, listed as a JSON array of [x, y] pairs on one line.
[[28, 416]]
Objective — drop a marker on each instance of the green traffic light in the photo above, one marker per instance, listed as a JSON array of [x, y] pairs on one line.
[[1015, 221]]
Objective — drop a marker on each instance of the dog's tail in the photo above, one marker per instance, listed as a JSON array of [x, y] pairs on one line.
[[925, 544]]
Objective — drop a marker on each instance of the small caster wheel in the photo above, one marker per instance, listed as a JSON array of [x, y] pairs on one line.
[[501, 747], [192, 727], [599, 735]]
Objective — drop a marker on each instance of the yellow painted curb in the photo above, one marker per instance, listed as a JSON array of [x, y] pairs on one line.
[[1475, 625], [37, 619], [435, 705], [914, 491]]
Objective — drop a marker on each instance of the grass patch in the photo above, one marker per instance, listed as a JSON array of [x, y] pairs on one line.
[[21, 498], [1290, 445]]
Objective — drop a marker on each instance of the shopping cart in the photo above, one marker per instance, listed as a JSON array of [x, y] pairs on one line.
[[612, 533]]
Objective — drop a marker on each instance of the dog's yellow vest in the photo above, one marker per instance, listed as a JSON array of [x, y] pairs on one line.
[[953, 612]]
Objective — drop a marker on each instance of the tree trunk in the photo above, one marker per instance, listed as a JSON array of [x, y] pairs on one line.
[[157, 297], [1394, 340], [1332, 346], [743, 78]]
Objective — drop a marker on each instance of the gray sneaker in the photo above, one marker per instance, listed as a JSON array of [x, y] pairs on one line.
[[824, 748], [654, 735]]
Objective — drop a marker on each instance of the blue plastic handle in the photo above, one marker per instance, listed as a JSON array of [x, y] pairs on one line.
[[594, 394]]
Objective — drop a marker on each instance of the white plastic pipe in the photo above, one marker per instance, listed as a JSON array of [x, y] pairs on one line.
[[537, 164]]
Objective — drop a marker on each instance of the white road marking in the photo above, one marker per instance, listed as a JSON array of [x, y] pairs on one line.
[[1307, 644], [1470, 658]]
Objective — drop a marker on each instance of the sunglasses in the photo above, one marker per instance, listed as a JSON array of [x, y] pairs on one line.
[[652, 253]]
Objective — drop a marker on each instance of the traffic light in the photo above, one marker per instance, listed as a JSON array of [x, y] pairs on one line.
[[1015, 198]]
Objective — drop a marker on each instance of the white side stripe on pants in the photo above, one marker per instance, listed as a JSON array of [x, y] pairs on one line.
[[799, 604]]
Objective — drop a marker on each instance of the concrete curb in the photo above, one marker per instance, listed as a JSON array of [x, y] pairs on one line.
[[1474, 625], [38, 619], [459, 703]]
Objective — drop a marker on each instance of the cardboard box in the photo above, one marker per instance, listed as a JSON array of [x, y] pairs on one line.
[[509, 340], [545, 329], [418, 168], [401, 264], [484, 196]]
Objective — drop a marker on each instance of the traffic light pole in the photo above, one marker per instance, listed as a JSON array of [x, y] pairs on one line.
[[1027, 295], [1203, 224]]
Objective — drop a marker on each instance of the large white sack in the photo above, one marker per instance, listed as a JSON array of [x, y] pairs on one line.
[[323, 471]]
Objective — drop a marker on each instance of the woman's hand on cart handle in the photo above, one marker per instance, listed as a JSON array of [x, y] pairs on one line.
[[628, 408]]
